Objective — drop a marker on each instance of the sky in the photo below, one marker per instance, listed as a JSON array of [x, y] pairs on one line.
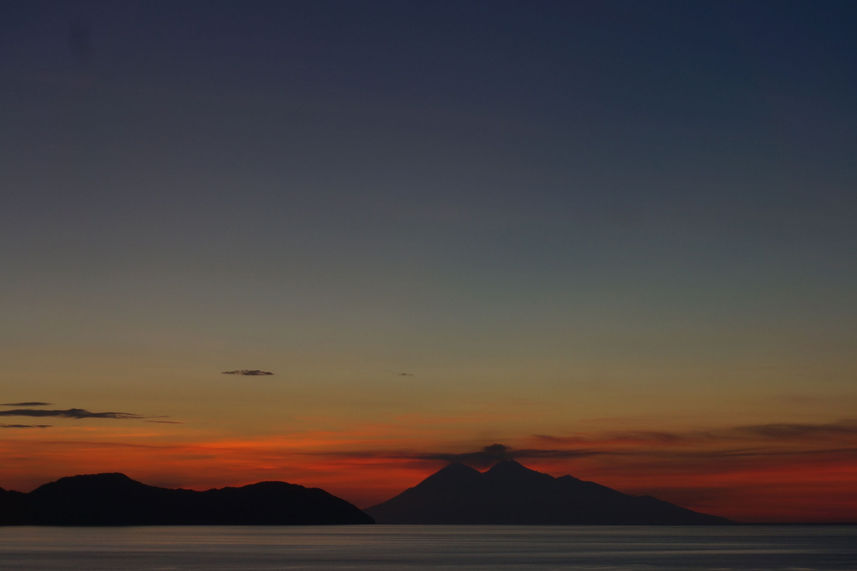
[[614, 238]]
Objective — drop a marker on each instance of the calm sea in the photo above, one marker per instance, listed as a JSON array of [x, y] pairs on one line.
[[428, 547]]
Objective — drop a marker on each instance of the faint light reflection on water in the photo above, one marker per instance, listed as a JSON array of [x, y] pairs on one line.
[[429, 547]]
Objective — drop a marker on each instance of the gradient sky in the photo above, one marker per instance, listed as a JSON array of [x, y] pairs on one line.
[[616, 237]]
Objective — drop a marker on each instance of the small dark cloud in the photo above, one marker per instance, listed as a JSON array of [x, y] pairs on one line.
[[25, 425], [68, 413], [248, 372], [497, 452], [405, 374], [486, 456], [30, 403]]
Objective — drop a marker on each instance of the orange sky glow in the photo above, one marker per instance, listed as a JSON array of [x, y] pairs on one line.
[[745, 473]]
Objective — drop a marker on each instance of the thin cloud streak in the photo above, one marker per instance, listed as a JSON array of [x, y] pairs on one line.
[[487, 458], [76, 413], [788, 431], [248, 372], [29, 403], [777, 432], [25, 425]]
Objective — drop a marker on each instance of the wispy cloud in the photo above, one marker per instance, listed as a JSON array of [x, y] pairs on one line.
[[25, 425], [483, 457], [764, 442], [68, 413], [626, 437], [774, 432], [29, 403], [248, 372], [795, 431]]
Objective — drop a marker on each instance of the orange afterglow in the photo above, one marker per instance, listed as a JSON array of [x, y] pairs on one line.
[[720, 474]]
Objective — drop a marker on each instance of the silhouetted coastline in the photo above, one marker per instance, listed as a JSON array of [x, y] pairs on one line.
[[116, 499]]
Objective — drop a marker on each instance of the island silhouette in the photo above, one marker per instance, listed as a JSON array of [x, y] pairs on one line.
[[116, 499], [510, 493]]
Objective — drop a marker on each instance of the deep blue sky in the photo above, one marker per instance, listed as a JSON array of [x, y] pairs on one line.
[[566, 204]]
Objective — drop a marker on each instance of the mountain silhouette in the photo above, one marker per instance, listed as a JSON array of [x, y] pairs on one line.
[[12, 505], [116, 499], [510, 493]]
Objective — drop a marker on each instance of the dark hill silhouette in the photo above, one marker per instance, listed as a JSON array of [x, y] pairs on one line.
[[510, 493], [116, 499], [12, 504]]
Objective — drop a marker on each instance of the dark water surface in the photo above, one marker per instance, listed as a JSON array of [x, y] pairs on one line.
[[429, 547]]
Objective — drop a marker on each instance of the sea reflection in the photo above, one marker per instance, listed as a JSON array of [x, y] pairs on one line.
[[429, 547]]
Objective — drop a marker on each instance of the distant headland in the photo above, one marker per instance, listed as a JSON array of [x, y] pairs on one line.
[[116, 499]]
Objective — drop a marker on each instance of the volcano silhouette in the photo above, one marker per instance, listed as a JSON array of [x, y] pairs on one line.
[[510, 493]]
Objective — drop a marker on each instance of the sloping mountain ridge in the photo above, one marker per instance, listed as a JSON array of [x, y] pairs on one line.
[[510, 493], [116, 499]]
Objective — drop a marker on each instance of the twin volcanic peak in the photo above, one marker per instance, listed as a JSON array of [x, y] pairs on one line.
[[116, 499], [510, 493]]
